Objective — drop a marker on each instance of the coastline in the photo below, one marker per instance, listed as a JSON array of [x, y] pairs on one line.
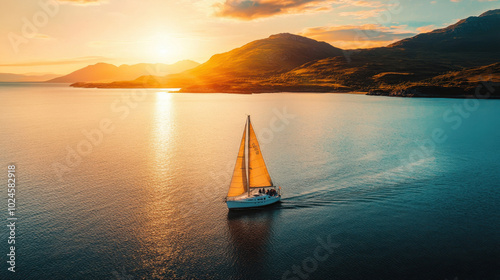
[[483, 90]]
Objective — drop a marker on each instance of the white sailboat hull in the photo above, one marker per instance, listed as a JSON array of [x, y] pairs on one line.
[[253, 202]]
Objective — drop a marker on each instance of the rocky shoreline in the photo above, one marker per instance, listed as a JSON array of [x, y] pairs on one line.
[[485, 90]]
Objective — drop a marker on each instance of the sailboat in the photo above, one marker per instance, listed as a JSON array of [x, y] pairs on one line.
[[251, 185]]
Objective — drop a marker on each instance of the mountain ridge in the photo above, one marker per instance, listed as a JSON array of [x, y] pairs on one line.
[[105, 72], [475, 33]]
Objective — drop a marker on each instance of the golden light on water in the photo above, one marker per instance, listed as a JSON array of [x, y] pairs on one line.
[[162, 127]]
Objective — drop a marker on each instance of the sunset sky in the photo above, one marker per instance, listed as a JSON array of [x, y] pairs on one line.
[[66, 35]]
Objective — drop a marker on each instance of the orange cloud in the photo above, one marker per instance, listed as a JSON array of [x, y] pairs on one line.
[[362, 14], [252, 9], [83, 2], [42, 36], [425, 29], [359, 3], [358, 36]]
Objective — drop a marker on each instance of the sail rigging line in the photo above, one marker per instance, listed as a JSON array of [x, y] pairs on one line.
[[248, 154]]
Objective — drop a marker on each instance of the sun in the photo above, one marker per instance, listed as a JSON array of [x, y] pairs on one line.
[[164, 49]]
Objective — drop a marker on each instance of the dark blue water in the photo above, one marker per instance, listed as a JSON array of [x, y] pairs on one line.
[[373, 187]]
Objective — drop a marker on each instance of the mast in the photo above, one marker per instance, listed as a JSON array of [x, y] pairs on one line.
[[247, 126]]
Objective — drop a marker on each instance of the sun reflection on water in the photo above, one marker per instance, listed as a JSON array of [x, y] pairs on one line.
[[163, 125], [156, 236]]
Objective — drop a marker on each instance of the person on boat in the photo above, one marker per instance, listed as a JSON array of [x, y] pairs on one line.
[[260, 191]]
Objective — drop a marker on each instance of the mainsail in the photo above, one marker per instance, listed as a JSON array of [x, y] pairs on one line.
[[239, 181], [258, 176]]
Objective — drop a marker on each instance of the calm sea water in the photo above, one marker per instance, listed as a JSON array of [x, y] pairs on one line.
[[128, 184]]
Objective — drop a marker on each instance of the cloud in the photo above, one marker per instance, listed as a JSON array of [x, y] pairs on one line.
[[42, 36], [253, 9], [112, 44], [362, 14], [86, 59], [83, 2], [358, 36], [359, 3], [425, 29]]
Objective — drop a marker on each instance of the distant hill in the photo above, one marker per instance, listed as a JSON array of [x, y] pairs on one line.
[[277, 54], [9, 77], [104, 72]]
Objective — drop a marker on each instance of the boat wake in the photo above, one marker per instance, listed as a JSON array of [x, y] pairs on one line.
[[362, 188]]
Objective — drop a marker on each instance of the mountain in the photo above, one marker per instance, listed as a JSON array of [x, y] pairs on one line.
[[382, 68], [470, 43], [277, 54], [104, 72], [9, 77], [472, 34], [451, 60]]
